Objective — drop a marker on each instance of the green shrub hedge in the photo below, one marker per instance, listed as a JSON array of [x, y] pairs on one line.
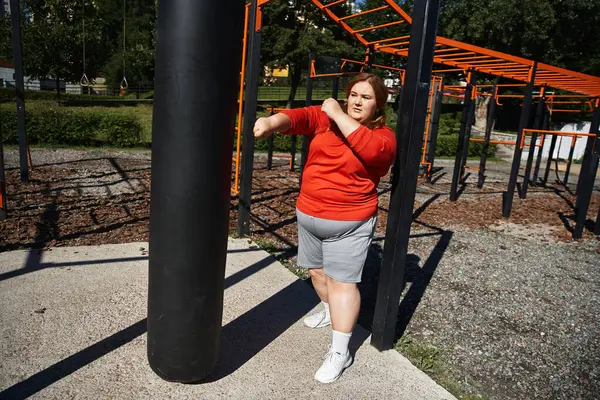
[[447, 146], [10, 93], [63, 126]]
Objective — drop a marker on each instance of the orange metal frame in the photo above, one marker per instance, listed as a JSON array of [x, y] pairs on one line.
[[461, 56]]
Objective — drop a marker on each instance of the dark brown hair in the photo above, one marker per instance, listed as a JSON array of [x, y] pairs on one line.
[[381, 96]]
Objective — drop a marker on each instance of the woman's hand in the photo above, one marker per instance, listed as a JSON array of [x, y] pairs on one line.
[[332, 108], [263, 128]]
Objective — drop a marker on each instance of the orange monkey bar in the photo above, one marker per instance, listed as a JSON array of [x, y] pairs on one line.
[[458, 55], [236, 159]]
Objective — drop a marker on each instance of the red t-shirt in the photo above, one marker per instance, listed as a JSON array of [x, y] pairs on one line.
[[341, 174]]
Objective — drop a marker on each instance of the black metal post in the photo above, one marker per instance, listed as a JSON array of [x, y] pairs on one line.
[[15, 12], [569, 162], [271, 144], [191, 183], [409, 132], [393, 169], [462, 138], [2, 180], [549, 160], [436, 112], [589, 145], [489, 123], [536, 125], [305, 138], [507, 199], [469, 126], [582, 204], [335, 88], [538, 162], [597, 225], [252, 74], [293, 145]]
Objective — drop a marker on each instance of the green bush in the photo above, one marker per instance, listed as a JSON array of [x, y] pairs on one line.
[[449, 123], [447, 145], [63, 126], [10, 93]]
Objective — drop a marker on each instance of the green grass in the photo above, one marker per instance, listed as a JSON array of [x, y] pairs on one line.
[[430, 359]]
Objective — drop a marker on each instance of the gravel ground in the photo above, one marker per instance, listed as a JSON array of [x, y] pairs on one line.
[[512, 305]]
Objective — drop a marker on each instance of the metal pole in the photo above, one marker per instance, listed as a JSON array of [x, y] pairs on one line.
[[550, 155], [582, 204], [270, 143], [536, 125], [252, 74], [489, 123], [538, 162], [434, 125], [293, 146], [335, 87], [589, 144], [305, 138], [409, 132], [514, 173], [20, 88], [393, 169], [191, 183], [457, 172], [569, 162], [597, 225], [469, 126], [2, 178]]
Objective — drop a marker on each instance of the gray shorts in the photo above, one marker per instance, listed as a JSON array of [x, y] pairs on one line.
[[339, 247]]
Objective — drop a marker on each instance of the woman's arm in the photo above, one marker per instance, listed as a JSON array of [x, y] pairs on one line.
[[266, 126], [344, 122]]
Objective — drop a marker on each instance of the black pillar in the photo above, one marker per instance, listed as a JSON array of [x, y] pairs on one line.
[[516, 164], [584, 196], [399, 96], [549, 160], [305, 138], [539, 115], [293, 145], [409, 132], [489, 123], [436, 112], [597, 225], [191, 182], [2, 180], [462, 138], [15, 12], [589, 144], [270, 143], [252, 74], [569, 162], [335, 88], [538, 162], [468, 128]]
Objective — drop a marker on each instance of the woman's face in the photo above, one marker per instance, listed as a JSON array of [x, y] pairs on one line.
[[362, 105]]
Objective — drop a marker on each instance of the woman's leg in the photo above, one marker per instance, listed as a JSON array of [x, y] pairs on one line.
[[319, 281], [344, 303], [321, 318]]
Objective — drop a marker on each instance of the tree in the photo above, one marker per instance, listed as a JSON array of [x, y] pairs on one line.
[[292, 29], [557, 32]]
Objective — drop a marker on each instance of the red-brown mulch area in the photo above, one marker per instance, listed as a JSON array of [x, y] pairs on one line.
[[82, 204]]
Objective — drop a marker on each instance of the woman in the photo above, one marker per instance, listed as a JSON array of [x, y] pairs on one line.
[[351, 149]]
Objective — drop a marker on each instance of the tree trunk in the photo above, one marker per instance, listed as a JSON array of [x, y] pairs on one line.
[[57, 80], [295, 82], [481, 112]]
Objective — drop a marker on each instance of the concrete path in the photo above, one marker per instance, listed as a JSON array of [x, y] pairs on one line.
[[72, 325]]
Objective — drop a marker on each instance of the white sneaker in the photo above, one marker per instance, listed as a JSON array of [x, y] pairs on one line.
[[318, 320], [334, 365]]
